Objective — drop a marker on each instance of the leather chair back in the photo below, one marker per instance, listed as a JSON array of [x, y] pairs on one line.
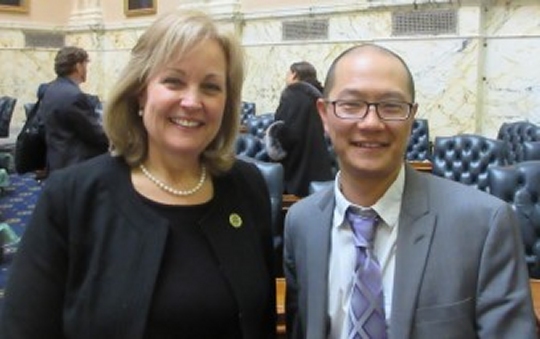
[[273, 175], [7, 106], [466, 158], [519, 185], [257, 125], [531, 150], [247, 111], [250, 146], [419, 147], [514, 134]]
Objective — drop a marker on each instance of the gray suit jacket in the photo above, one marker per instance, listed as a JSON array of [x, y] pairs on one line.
[[460, 269]]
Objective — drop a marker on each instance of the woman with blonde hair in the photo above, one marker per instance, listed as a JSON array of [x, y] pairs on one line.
[[168, 236]]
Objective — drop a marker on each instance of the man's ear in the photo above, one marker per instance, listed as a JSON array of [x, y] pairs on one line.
[[323, 112], [414, 109]]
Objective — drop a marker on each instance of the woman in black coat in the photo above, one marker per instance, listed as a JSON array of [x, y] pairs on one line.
[[297, 139]]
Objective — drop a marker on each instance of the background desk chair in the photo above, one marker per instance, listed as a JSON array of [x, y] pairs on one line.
[[273, 175], [514, 135], [519, 185], [7, 106], [257, 124], [419, 146], [248, 145], [7, 150], [247, 111], [465, 158]]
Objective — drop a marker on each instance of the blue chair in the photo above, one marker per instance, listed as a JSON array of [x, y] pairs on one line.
[[514, 135], [519, 185], [419, 146], [465, 158], [7, 106], [273, 175], [257, 125], [247, 111]]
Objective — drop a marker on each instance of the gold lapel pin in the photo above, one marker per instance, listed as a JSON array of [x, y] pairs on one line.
[[235, 220]]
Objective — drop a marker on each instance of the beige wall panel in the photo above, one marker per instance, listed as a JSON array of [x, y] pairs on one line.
[[41, 12]]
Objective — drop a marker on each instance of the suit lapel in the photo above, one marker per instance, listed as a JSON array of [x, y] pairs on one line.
[[416, 229]]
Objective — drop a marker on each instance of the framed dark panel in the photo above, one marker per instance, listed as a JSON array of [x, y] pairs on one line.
[[139, 7], [14, 5]]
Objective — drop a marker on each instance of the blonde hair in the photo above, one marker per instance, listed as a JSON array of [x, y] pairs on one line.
[[169, 37]]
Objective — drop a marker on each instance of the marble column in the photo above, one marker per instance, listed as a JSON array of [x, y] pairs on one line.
[[87, 13]]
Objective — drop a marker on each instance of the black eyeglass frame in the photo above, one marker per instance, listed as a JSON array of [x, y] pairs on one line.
[[368, 105]]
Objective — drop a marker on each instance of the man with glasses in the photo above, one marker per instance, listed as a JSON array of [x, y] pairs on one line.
[[389, 252]]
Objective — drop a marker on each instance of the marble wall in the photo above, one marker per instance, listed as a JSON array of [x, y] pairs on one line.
[[468, 82]]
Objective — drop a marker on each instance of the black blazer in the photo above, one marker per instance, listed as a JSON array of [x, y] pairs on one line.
[[72, 127], [90, 255]]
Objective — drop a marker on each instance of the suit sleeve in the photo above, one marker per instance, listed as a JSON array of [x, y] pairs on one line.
[[503, 273], [294, 329], [82, 118]]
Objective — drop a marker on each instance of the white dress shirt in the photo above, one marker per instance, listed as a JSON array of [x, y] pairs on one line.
[[343, 253]]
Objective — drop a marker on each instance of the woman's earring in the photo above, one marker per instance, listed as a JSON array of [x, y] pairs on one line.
[[141, 110]]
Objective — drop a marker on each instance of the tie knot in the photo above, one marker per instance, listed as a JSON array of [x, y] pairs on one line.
[[362, 224]]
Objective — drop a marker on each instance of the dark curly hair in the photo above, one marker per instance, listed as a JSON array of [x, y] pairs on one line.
[[66, 59]]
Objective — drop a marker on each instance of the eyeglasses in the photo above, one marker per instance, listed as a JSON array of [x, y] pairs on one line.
[[358, 109]]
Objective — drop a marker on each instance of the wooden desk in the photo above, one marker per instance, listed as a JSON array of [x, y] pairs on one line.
[[423, 166], [280, 305], [288, 200], [535, 293]]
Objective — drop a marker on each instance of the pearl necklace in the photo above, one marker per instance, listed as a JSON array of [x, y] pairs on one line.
[[171, 190]]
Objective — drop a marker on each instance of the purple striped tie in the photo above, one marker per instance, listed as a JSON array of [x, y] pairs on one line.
[[366, 312]]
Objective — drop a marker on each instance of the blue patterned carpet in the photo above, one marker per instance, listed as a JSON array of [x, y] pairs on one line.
[[17, 202]]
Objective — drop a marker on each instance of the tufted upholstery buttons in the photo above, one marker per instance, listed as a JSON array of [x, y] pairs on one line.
[[248, 145], [519, 185], [257, 125], [419, 148], [247, 111], [466, 158], [514, 134], [531, 150]]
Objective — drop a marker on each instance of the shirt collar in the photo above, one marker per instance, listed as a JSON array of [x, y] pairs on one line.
[[387, 207]]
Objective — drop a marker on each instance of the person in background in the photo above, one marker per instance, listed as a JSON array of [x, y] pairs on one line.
[[296, 139], [167, 236], [428, 257], [73, 132]]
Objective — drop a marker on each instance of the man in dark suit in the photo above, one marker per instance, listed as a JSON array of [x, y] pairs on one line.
[[72, 126], [450, 258]]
